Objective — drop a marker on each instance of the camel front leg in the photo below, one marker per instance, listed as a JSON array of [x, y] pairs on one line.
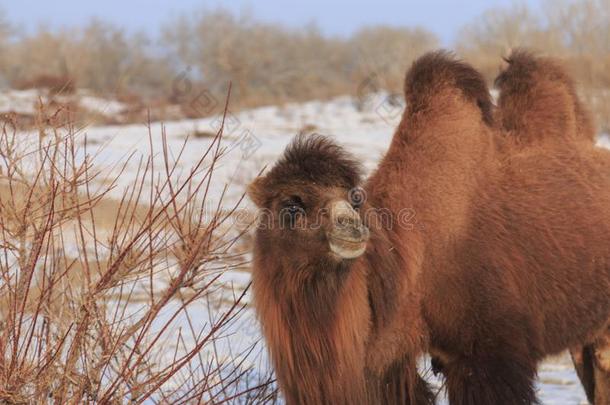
[[583, 358], [592, 364], [601, 369], [498, 379], [399, 384]]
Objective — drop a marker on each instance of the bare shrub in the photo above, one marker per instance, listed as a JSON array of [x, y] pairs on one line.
[[55, 84], [115, 300], [99, 56]]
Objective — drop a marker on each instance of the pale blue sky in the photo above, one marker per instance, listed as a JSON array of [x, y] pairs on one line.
[[341, 17]]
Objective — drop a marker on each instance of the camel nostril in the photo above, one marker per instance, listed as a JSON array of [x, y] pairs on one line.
[[351, 225], [365, 233], [348, 221], [347, 224], [352, 228]]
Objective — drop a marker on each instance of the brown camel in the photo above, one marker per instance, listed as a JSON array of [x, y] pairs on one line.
[[323, 283], [484, 279], [538, 103]]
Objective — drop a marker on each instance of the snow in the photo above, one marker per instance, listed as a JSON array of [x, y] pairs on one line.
[[19, 101], [255, 138], [26, 102], [101, 105]]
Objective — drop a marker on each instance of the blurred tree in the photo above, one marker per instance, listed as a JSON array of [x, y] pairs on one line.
[[387, 52], [268, 63]]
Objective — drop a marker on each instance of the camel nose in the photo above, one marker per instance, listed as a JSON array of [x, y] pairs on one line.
[[347, 221], [352, 227]]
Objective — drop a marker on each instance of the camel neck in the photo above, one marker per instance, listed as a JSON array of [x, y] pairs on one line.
[[434, 169], [315, 322]]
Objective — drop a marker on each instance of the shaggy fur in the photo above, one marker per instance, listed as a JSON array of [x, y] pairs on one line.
[[483, 277], [543, 83]]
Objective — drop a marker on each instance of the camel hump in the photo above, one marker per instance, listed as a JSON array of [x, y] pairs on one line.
[[439, 70], [538, 100], [524, 68]]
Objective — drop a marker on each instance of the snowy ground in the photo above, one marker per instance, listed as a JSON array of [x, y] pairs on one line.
[[255, 138], [26, 102]]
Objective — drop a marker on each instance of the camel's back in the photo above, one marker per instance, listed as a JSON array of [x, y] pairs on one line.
[[544, 229]]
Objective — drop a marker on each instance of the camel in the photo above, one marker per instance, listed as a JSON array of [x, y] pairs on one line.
[[538, 102], [484, 280], [324, 281]]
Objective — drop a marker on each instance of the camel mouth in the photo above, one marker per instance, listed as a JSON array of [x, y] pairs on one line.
[[347, 248]]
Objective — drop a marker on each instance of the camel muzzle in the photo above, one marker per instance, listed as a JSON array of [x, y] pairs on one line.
[[348, 236]]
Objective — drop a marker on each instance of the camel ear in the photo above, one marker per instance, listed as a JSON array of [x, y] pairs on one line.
[[257, 191]]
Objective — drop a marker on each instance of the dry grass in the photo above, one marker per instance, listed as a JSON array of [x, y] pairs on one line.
[[114, 301]]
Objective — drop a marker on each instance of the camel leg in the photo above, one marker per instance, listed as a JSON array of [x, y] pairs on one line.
[[395, 391], [423, 393], [601, 370], [491, 380], [592, 364], [401, 384], [583, 359]]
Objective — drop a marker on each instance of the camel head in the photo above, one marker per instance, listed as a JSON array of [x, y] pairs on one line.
[[309, 203]]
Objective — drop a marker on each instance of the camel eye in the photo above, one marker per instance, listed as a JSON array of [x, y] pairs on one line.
[[293, 206], [293, 209]]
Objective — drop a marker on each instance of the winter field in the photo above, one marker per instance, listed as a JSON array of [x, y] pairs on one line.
[[252, 140]]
